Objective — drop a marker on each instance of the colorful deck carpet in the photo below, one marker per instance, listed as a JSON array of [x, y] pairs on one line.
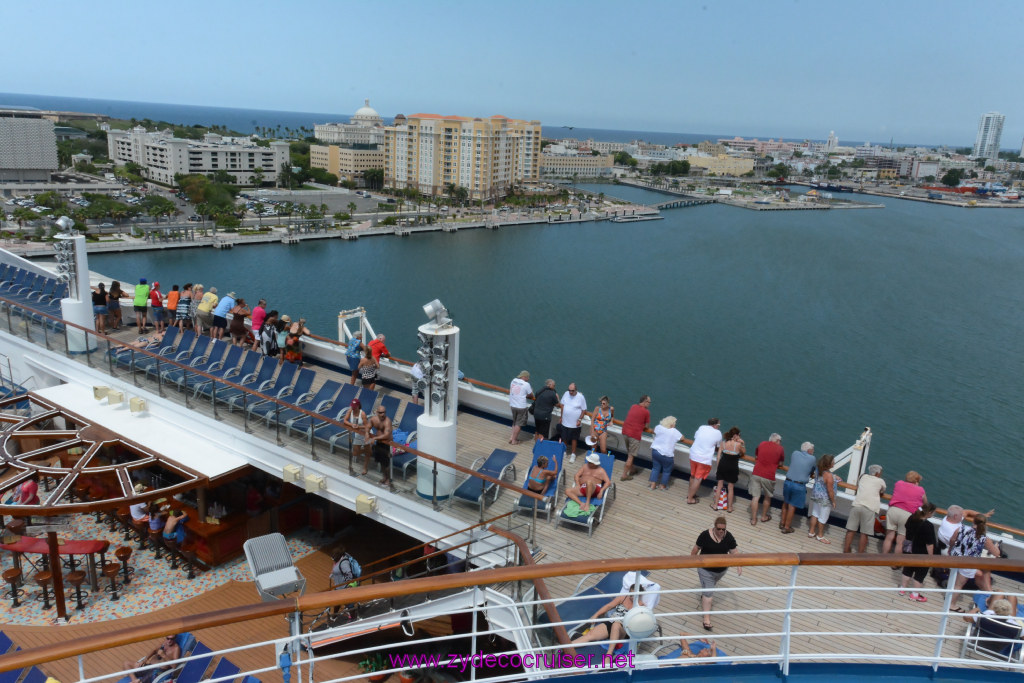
[[154, 585]]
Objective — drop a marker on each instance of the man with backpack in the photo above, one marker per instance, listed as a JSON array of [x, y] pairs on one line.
[[345, 570]]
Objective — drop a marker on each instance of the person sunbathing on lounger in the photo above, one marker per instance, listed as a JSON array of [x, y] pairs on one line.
[[168, 650], [590, 482], [688, 639], [605, 626]]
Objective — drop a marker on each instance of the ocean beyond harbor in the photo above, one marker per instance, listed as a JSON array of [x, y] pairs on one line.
[[811, 324]]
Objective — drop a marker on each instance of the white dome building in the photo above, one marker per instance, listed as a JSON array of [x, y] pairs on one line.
[[367, 117]]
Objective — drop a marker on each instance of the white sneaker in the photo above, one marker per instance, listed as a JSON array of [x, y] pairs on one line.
[[572, 458]]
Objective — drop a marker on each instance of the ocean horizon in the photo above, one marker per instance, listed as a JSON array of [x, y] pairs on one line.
[[246, 121]]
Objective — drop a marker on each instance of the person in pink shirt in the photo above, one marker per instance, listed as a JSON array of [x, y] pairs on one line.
[[259, 314], [907, 496]]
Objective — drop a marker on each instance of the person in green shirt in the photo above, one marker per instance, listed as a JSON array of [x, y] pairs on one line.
[[140, 300]]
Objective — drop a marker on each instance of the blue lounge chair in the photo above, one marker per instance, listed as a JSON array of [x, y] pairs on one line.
[[673, 651], [35, 675], [184, 356], [555, 453], [11, 676], [337, 407], [368, 399], [201, 360], [406, 433], [270, 387], [251, 679], [322, 400], [194, 669], [185, 340], [122, 355], [253, 382], [597, 506], [226, 369], [390, 405], [225, 670], [578, 611], [267, 409], [221, 354], [5, 643], [474, 490]]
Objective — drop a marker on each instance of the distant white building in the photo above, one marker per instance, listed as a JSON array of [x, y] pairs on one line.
[[832, 142], [366, 127], [990, 132], [164, 156], [28, 149]]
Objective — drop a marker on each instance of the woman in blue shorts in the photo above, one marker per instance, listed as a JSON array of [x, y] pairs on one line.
[[99, 308]]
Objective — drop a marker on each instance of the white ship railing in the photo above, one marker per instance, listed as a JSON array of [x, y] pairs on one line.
[[929, 635]]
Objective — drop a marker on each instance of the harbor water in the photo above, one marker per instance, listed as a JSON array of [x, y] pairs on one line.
[[812, 324]]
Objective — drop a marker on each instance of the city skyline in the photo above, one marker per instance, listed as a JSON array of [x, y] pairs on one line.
[[913, 72]]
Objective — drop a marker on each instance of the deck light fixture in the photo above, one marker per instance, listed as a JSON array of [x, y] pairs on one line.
[[100, 393], [315, 483], [292, 473], [436, 311]]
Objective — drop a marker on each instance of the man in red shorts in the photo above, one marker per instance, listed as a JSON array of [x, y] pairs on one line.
[[589, 483]]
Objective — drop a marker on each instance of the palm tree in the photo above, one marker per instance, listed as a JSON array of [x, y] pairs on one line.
[[352, 208]]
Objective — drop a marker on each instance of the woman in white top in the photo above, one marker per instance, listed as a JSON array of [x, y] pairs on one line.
[[663, 450], [355, 422]]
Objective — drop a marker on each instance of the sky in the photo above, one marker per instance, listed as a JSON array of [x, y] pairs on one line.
[[869, 70]]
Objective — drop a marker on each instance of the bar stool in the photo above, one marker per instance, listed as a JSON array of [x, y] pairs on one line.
[[110, 571], [44, 579], [189, 556], [142, 531], [123, 554], [172, 551], [76, 579], [155, 542], [13, 577], [126, 523]]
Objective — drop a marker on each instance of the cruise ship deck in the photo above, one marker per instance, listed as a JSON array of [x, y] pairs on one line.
[[638, 523]]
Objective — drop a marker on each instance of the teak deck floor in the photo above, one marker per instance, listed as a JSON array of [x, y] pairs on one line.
[[638, 523]]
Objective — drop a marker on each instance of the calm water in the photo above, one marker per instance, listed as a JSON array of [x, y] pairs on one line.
[[812, 324]]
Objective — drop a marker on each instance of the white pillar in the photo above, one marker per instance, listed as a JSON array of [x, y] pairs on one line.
[[436, 427], [77, 306]]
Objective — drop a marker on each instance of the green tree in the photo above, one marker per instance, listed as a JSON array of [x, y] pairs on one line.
[[352, 208], [625, 159], [374, 178], [257, 177], [156, 207], [952, 177]]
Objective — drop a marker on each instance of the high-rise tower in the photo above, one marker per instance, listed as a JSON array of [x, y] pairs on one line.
[[990, 130]]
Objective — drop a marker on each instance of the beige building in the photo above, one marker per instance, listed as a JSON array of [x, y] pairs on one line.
[[487, 156], [723, 165], [365, 128], [581, 166], [345, 162]]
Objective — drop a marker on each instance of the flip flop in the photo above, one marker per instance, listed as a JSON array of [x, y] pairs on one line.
[[753, 522], [696, 499], [824, 540], [766, 519], [787, 531], [708, 627]]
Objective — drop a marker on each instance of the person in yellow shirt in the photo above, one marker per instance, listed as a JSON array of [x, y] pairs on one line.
[[204, 312]]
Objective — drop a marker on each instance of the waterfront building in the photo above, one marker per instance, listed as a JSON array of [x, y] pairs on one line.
[[711, 148], [348, 163], [28, 149], [578, 165], [606, 147], [486, 156], [164, 156], [722, 165], [772, 147], [365, 128], [990, 131]]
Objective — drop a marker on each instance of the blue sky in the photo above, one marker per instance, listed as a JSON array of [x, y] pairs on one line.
[[913, 71]]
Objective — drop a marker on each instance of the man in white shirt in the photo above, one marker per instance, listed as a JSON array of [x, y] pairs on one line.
[[518, 392], [573, 407], [705, 444]]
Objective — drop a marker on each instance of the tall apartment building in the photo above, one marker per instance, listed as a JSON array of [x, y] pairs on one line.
[[345, 162], [990, 131], [163, 156], [487, 156], [28, 149]]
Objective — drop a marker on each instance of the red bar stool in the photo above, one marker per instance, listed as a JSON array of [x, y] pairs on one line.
[[110, 571], [13, 577], [171, 544], [123, 554], [155, 541], [44, 579], [76, 579]]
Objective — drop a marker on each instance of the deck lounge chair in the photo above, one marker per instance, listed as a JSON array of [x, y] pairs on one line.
[[585, 602], [267, 409], [13, 675], [5, 643], [474, 490], [332, 434], [251, 382], [35, 675], [184, 356], [597, 506], [227, 369], [184, 341], [200, 360], [194, 669], [216, 363], [404, 461], [555, 453], [323, 399], [337, 407], [994, 638], [669, 651], [270, 561], [226, 670], [390, 405], [122, 355], [273, 387]]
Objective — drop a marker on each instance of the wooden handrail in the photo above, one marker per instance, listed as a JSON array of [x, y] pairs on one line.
[[320, 601]]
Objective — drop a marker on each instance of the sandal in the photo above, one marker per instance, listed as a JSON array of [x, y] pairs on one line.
[[824, 540], [766, 519], [707, 626], [810, 534], [917, 597], [788, 531], [696, 499]]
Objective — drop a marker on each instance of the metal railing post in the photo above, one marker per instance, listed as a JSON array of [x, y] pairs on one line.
[[351, 470], [245, 412], [88, 356], [184, 384], [10, 327], [433, 494], [110, 357], [213, 399], [28, 327], [46, 336], [312, 441], [81, 667], [277, 422], [472, 647], [135, 375], [159, 378], [947, 602], [787, 621], [533, 523]]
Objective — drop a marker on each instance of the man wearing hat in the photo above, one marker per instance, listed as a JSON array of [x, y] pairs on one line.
[[518, 393], [220, 315], [590, 482], [141, 299], [204, 310]]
